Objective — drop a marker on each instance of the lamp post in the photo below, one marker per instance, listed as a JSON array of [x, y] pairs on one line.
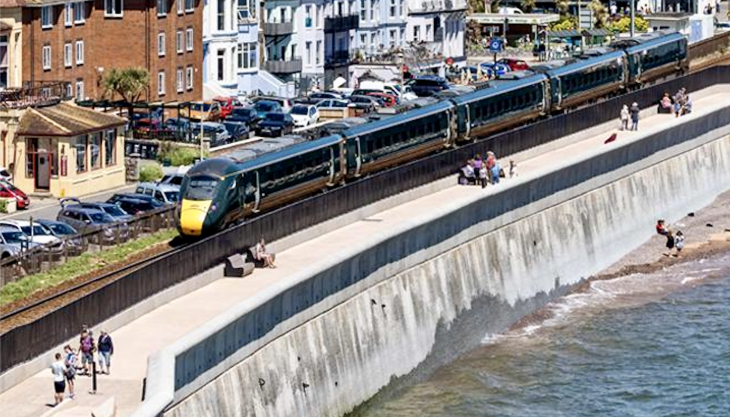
[[633, 14]]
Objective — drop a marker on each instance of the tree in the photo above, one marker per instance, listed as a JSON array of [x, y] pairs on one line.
[[623, 25], [600, 14], [129, 83], [565, 23], [528, 6], [563, 7]]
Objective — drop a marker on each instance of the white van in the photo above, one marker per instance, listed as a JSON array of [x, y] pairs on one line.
[[390, 88]]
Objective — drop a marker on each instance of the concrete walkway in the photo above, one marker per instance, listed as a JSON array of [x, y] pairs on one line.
[[135, 341]]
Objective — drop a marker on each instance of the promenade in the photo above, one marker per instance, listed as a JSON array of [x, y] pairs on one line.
[[135, 341]]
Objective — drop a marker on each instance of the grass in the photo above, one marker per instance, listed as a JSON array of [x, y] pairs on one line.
[[78, 266]]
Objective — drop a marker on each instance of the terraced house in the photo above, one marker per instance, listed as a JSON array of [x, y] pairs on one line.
[[77, 42]]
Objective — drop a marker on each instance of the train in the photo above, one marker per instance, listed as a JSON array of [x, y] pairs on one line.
[[218, 192]]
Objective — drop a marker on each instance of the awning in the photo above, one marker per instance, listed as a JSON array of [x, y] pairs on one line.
[[564, 34]]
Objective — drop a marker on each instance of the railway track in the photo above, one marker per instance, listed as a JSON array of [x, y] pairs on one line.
[[707, 54]]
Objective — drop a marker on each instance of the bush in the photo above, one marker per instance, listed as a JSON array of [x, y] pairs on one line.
[[150, 173], [178, 155], [3, 206], [623, 25]]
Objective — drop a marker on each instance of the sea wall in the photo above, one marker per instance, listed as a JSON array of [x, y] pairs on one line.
[[338, 332]]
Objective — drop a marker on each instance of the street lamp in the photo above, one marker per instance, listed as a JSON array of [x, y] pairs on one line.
[[633, 13]]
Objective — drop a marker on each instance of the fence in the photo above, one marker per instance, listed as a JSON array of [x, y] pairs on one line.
[[42, 258], [718, 43], [30, 340]]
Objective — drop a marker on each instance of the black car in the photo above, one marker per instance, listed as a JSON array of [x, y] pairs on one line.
[[275, 124], [428, 85], [237, 130], [245, 115], [136, 203]]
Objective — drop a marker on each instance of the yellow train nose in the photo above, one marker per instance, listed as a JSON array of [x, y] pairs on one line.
[[192, 216]]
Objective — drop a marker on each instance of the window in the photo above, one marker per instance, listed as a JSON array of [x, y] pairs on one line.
[[79, 52], [221, 58], [221, 15], [393, 8], [363, 11], [392, 37], [80, 13], [95, 150], [161, 7], [189, 39], [179, 81], [161, 44], [46, 57], [417, 33], [246, 9], [80, 146], [68, 14], [179, 41], [47, 17], [246, 53], [161, 83], [308, 16], [110, 150], [189, 78], [113, 7], [69, 93], [189, 5], [67, 52], [308, 47], [180, 6], [79, 89], [316, 52]]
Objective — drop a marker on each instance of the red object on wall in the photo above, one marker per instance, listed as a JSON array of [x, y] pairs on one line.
[[64, 165]]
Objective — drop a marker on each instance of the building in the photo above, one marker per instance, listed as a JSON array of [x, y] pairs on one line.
[[11, 29], [78, 42], [58, 149], [439, 26]]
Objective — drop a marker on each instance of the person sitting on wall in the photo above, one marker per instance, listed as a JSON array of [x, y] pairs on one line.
[[467, 175], [264, 257], [661, 228], [665, 104]]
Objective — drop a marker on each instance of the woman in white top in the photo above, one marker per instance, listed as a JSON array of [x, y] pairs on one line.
[[59, 378]]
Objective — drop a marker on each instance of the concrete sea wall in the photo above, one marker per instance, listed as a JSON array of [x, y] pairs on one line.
[[402, 304]]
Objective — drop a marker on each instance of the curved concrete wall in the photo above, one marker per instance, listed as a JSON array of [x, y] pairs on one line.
[[334, 335]]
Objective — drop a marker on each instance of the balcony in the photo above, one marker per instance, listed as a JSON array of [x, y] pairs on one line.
[[341, 24], [438, 36], [291, 66], [278, 29], [337, 58], [38, 94]]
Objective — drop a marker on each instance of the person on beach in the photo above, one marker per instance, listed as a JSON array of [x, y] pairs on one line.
[[70, 362], [624, 117], [106, 350], [661, 227], [59, 379], [679, 242], [635, 116]]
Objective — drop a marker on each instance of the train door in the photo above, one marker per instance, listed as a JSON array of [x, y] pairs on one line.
[[468, 121], [252, 191], [358, 157], [332, 169]]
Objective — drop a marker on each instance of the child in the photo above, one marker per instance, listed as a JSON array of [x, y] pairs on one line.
[[512, 168], [679, 242]]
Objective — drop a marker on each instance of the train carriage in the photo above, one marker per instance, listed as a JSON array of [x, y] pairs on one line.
[[400, 138], [587, 80], [492, 109], [657, 58], [221, 191]]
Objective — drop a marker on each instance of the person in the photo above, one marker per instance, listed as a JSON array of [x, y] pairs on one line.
[[679, 242], [665, 104], [661, 228], [478, 163], [491, 161], [86, 347], [670, 240], [70, 362], [512, 168], [496, 170], [483, 175], [106, 350], [624, 117], [678, 107], [59, 379], [687, 108], [263, 256], [635, 116]]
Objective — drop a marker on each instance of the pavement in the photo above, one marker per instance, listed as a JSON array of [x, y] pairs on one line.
[[137, 340]]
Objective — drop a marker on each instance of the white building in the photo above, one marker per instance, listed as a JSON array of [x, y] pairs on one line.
[[220, 41], [439, 25]]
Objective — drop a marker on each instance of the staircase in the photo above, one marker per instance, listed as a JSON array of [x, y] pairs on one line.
[[271, 85]]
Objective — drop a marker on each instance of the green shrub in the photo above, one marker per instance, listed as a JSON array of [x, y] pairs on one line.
[[3, 206], [178, 155], [150, 173]]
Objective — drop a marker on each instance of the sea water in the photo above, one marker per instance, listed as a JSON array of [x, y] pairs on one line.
[[640, 345]]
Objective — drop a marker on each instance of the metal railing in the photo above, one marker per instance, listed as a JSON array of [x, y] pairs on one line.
[[178, 265], [284, 67], [34, 259], [37, 94], [341, 23]]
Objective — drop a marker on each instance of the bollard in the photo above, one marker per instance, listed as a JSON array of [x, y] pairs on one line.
[[93, 378]]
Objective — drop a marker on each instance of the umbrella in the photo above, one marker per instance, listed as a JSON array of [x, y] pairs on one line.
[[339, 82]]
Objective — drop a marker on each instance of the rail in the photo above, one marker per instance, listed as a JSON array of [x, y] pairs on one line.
[[178, 265]]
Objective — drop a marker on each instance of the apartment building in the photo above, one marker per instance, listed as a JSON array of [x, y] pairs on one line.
[[439, 26], [11, 29], [78, 41]]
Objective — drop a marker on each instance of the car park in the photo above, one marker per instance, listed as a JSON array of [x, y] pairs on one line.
[[166, 193], [8, 190], [113, 210], [245, 115], [514, 64], [215, 132], [226, 104], [285, 103], [202, 110], [136, 204], [87, 220], [36, 233], [366, 102], [237, 131], [315, 98], [275, 124], [332, 104], [304, 115], [66, 232], [427, 85], [264, 107]]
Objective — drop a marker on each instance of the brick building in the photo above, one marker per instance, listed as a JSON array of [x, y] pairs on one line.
[[77, 42]]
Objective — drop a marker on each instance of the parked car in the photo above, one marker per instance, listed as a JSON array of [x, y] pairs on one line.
[[304, 115], [285, 103], [36, 233], [74, 243], [8, 190], [87, 220], [275, 124], [166, 193], [514, 64], [367, 102], [6, 175], [332, 104], [180, 126], [216, 132], [111, 209], [388, 100], [13, 242], [175, 178], [226, 104], [264, 107], [315, 98], [237, 131], [246, 115], [202, 110], [427, 85], [135, 204]]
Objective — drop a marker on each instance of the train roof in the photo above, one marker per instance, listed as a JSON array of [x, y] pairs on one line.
[[499, 89], [264, 146], [216, 167], [398, 119], [289, 152], [658, 41], [588, 63]]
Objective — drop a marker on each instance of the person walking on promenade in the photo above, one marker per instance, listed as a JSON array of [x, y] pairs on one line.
[[512, 168], [70, 362], [635, 116], [491, 162], [59, 379], [478, 163], [106, 350], [624, 117], [86, 347]]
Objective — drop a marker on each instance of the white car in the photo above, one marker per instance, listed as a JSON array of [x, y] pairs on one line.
[[5, 175], [304, 115], [39, 234]]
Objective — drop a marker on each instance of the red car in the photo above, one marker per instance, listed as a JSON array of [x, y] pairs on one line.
[[514, 64], [227, 105], [8, 190]]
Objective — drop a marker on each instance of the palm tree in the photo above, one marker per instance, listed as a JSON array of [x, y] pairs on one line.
[[528, 5], [129, 83], [563, 6], [600, 14]]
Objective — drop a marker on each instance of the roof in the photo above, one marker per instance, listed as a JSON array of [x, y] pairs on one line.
[[653, 43], [500, 89], [597, 32], [366, 128], [11, 3], [286, 153], [65, 119], [571, 33], [584, 64]]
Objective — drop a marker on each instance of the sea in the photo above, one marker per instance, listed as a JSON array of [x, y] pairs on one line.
[[654, 344]]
